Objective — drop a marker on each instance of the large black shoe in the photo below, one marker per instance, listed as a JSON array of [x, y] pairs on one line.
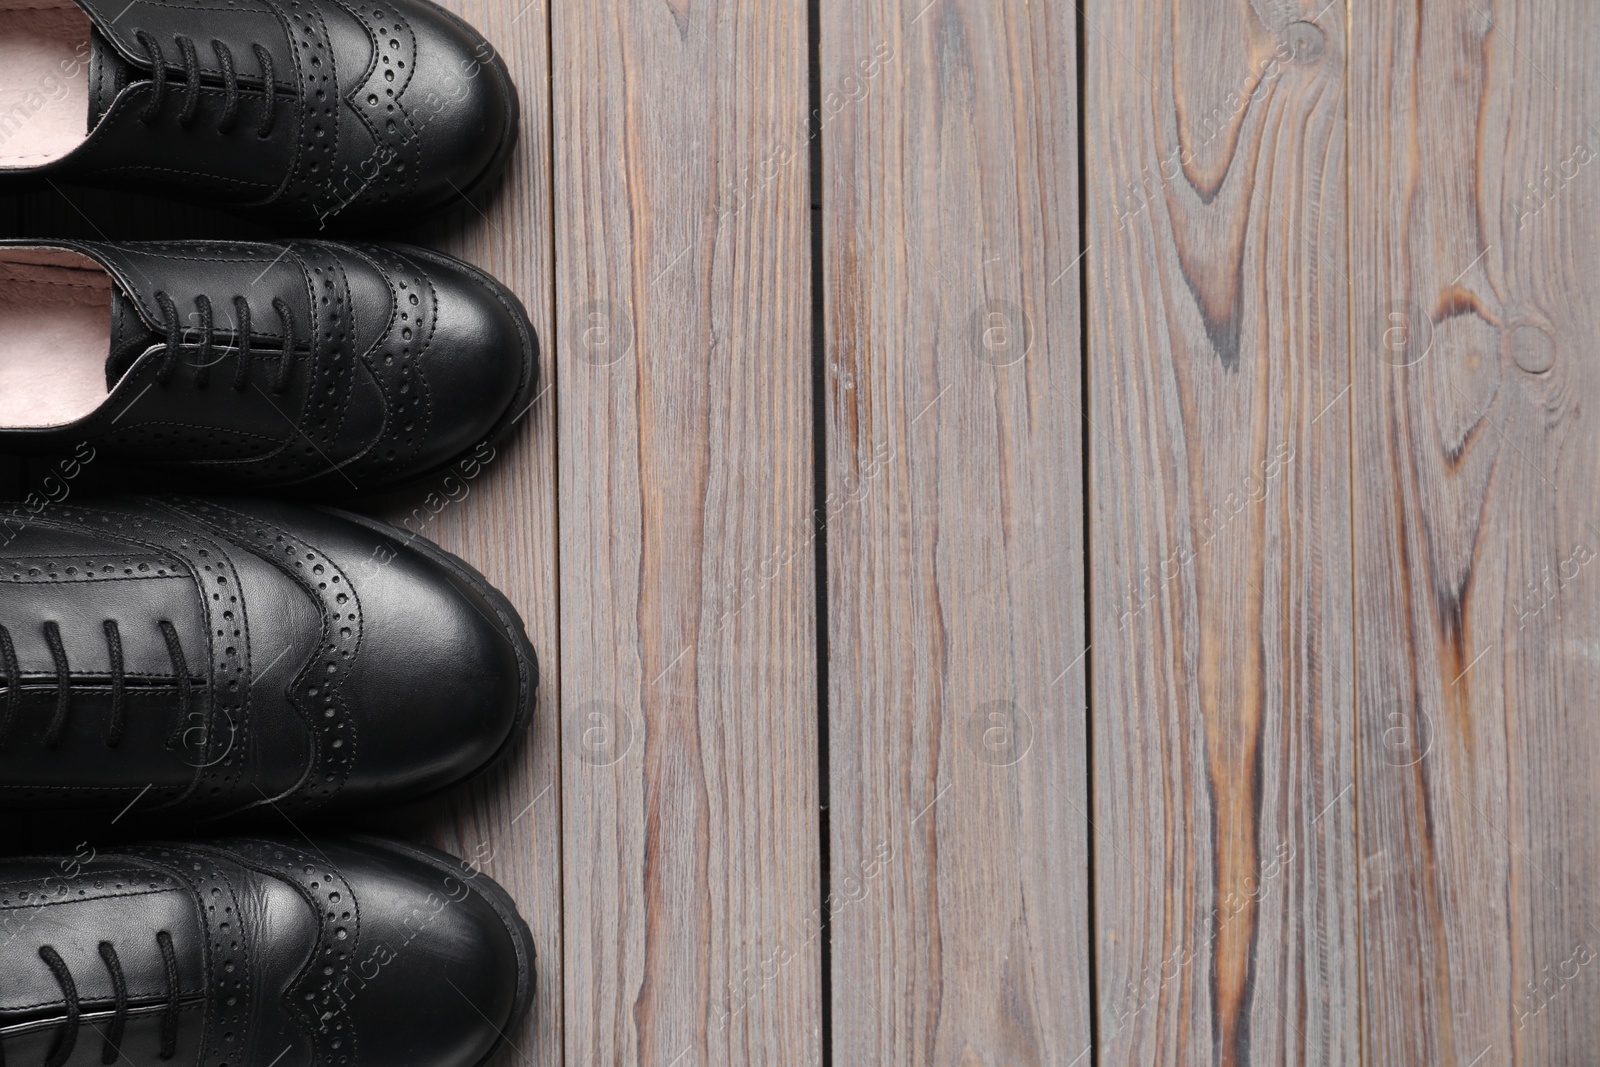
[[328, 367], [211, 658], [251, 953], [305, 110]]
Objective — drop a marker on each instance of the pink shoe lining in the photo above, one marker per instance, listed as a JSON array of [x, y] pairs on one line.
[[44, 81], [55, 337]]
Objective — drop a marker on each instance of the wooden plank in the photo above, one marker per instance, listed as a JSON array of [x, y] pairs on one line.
[[1220, 599], [1476, 302], [498, 511], [959, 854], [690, 711]]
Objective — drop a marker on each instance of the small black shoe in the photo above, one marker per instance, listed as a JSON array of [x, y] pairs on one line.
[[216, 658], [249, 952], [326, 367], [377, 109]]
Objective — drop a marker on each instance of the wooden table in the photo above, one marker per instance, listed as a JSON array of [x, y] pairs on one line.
[[1057, 536]]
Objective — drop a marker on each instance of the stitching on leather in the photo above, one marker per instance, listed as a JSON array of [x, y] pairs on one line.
[[404, 144], [41, 677], [235, 1017], [281, 189], [388, 264], [328, 341], [198, 426], [53, 561], [204, 260], [299, 183], [349, 376], [59, 580], [124, 102], [332, 955], [307, 276], [493, 286], [188, 1005], [73, 518], [427, 346], [125, 256], [188, 9], [106, 790], [335, 739], [48, 283], [82, 900], [125, 873], [239, 661], [369, 357], [384, 342]]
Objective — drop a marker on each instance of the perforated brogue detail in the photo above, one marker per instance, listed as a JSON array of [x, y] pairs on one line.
[[396, 362], [218, 446], [317, 148], [379, 102], [366, 365], [225, 731], [312, 113], [57, 569], [317, 693], [228, 967], [77, 879], [333, 350], [313, 998]]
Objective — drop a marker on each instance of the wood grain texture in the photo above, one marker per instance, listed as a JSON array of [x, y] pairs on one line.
[[1476, 301], [959, 888], [1220, 598], [689, 616]]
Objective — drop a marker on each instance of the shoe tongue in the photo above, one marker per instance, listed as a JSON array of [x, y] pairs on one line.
[[109, 74], [130, 337]]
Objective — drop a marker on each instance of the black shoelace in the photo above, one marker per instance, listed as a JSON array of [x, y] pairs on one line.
[[110, 1052], [193, 86], [175, 329], [57, 730]]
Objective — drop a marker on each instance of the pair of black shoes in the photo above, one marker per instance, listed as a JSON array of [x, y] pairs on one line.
[[174, 661]]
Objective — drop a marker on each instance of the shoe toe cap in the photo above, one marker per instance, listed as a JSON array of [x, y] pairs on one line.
[[462, 100], [441, 684], [481, 363], [446, 965], [442, 679]]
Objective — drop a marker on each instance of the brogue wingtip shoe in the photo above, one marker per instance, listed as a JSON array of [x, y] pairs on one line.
[[313, 112], [209, 658], [307, 365], [355, 951]]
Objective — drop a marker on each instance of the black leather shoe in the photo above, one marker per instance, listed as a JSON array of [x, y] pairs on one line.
[[328, 367], [251, 953], [211, 658], [306, 110]]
